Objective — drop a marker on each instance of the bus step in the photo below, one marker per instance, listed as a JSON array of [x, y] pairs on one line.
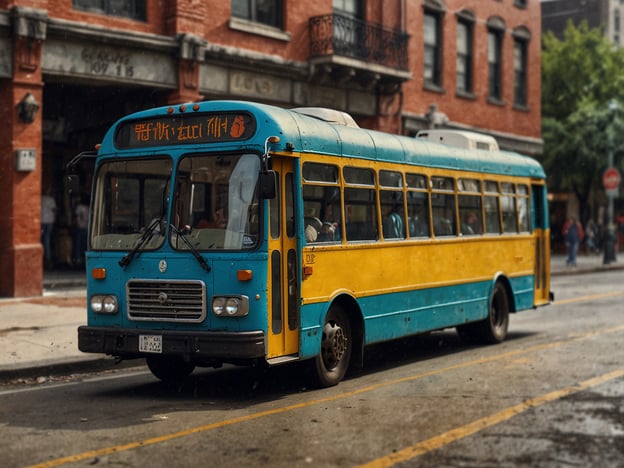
[[282, 359]]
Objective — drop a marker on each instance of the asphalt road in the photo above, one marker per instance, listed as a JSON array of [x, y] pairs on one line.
[[551, 395]]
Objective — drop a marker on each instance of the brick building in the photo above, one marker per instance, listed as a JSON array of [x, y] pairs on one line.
[[69, 68]]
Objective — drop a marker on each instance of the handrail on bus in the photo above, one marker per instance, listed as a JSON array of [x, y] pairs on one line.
[[268, 184]]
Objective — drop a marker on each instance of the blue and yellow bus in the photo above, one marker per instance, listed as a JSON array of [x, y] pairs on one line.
[[236, 232]]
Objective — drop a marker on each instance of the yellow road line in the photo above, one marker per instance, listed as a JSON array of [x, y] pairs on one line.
[[591, 297], [480, 424], [370, 388]]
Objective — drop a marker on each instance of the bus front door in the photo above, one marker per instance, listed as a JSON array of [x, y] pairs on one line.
[[283, 326], [542, 245]]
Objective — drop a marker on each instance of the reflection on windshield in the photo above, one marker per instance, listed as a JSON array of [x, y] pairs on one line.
[[216, 202], [129, 196]]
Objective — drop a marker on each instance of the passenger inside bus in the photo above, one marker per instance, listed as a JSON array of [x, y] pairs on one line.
[[471, 224], [393, 223], [418, 227], [328, 232]]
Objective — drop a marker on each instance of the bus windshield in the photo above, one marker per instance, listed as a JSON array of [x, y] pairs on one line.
[[216, 202], [129, 197]]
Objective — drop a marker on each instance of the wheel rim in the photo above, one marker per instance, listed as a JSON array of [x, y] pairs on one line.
[[334, 345]]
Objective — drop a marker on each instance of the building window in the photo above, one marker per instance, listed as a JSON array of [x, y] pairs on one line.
[[268, 12], [520, 72], [520, 3], [134, 9], [349, 7], [433, 49], [495, 42], [464, 57]]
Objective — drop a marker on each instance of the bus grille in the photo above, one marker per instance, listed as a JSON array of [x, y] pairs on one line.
[[167, 301]]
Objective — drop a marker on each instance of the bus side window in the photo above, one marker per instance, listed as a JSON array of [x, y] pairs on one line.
[[443, 207], [508, 202], [470, 215], [492, 208], [417, 205], [523, 208], [361, 220], [393, 224], [322, 205], [360, 204], [469, 204]]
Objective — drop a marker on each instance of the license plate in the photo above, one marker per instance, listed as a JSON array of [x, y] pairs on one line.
[[150, 344]]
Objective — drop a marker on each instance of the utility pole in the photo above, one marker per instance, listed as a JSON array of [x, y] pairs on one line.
[[611, 182]]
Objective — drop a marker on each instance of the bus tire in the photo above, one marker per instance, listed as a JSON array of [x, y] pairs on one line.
[[332, 362], [169, 368], [493, 329]]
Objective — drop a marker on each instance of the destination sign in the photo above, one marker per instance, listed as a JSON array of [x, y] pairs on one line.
[[185, 129]]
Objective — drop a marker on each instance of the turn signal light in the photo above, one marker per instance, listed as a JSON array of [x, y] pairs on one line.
[[244, 275], [98, 273]]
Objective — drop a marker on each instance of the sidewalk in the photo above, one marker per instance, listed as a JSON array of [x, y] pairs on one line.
[[38, 335]]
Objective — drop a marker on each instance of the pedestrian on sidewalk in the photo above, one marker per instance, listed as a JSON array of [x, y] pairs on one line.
[[48, 217], [573, 234], [592, 235]]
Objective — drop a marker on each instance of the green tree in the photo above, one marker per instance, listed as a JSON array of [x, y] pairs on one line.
[[581, 74]]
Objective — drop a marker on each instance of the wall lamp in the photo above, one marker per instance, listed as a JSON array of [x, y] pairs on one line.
[[28, 108]]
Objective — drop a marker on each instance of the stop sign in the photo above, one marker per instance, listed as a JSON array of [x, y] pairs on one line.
[[611, 178]]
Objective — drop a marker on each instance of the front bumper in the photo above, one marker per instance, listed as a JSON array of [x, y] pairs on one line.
[[124, 343]]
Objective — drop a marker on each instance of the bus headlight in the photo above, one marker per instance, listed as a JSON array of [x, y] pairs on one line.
[[230, 306], [104, 304]]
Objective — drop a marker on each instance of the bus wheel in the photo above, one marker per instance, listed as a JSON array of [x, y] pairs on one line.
[[333, 361], [493, 329], [169, 368]]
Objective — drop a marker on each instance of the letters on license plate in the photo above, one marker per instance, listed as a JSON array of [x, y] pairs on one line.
[[150, 344]]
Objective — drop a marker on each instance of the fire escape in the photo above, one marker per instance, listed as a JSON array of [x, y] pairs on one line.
[[349, 52]]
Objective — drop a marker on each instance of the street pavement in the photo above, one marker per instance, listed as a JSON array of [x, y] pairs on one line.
[[38, 335]]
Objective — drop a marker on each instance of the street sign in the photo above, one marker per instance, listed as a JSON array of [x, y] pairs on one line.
[[611, 179]]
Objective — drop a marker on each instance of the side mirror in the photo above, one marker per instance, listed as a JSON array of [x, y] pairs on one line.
[[73, 184], [268, 184]]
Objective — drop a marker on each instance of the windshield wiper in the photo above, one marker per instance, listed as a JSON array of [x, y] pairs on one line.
[[193, 250], [145, 238]]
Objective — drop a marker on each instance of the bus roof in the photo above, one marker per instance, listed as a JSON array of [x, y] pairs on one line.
[[311, 134]]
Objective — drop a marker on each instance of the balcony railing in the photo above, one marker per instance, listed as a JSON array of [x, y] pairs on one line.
[[345, 36]]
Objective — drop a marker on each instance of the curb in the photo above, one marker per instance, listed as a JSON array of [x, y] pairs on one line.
[[65, 368], [580, 270]]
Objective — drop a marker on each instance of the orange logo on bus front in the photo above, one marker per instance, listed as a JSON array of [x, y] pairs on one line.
[[238, 127]]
